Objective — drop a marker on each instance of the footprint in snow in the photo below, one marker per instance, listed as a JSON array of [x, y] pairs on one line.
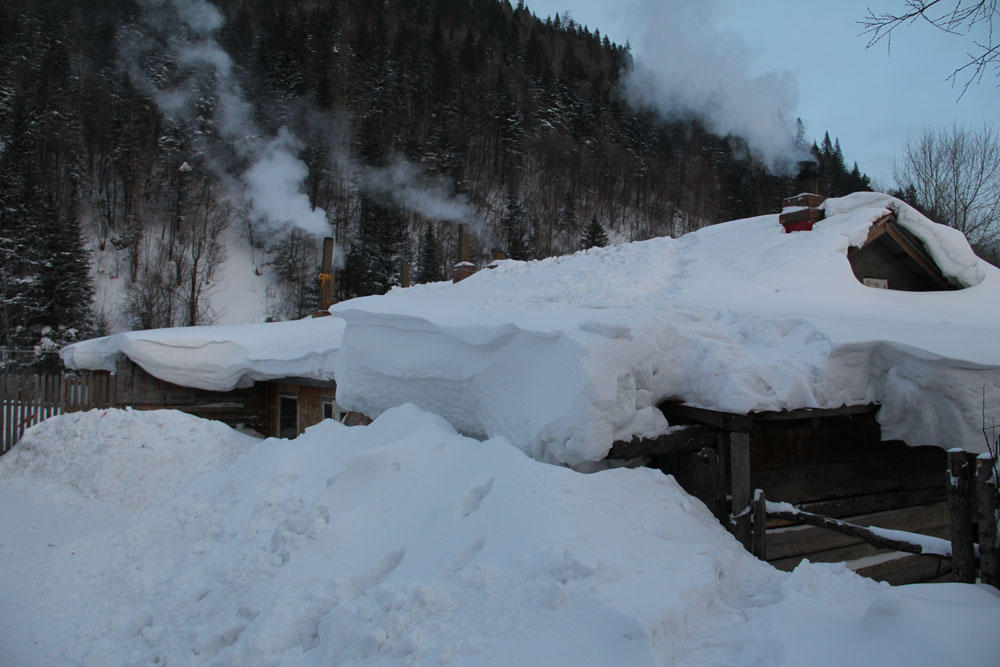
[[277, 481], [378, 572], [474, 498]]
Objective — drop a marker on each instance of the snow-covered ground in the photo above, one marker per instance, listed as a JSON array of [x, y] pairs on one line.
[[159, 538]]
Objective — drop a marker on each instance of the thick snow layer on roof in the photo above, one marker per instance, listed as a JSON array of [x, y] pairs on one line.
[[222, 357], [404, 543], [566, 355]]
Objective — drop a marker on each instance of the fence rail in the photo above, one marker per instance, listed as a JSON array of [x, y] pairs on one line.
[[27, 399]]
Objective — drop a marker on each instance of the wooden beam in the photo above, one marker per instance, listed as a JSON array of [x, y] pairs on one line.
[[959, 506], [911, 246], [859, 532], [725, 421], [739, 475], [986, 501], [759, 538], [729, 421], [691, 438]]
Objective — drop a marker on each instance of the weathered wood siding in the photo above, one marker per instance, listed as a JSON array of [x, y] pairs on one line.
[[239, 408], [840, 468]]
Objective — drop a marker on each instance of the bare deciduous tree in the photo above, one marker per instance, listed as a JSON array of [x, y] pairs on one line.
[[954, 175], [972, 19]]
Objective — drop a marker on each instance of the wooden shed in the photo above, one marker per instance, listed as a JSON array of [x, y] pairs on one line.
[[830, 462]]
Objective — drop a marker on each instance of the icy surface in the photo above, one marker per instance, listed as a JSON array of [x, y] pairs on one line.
[[219, 357], [405, 543], [566, 355]]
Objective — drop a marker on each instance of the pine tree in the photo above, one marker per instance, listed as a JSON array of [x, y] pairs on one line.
[[373, 261], [296, 263], [514, 227], [594, 235], [429, 269]]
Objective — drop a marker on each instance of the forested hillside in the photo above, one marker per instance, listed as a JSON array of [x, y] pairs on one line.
[[158, 137]]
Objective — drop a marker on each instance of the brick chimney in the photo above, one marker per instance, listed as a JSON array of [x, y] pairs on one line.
[[801, 212], [464, 268]]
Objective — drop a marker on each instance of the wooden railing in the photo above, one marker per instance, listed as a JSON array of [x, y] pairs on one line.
[[27, 399]]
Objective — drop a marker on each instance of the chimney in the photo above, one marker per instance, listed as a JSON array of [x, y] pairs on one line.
[[498, 256], [464, 268], [327, 283], [404, 273], [801, 212]]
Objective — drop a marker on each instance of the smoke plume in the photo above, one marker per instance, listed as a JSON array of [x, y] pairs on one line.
[[177, 37], [686, 67], [412, 188]]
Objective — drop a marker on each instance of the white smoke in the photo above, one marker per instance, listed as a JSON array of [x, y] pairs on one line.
[[686, 67], [272, 183], [412, 188], [273, 188]]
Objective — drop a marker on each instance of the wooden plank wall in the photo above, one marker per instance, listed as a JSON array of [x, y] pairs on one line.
[[28, 399], [840, 468], [239, 408]]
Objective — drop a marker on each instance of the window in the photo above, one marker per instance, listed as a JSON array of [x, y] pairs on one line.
[[288, 416], [330, 409]]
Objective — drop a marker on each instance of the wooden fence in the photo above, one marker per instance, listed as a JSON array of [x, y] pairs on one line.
[[973, 500], [27, 399]]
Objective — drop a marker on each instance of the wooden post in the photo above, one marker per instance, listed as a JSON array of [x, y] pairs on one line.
[[986, 502], [963, 561], [739, 475], [759, 544], [4, 380]]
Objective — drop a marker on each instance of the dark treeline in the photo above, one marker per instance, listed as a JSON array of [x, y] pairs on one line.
[[520, 116]]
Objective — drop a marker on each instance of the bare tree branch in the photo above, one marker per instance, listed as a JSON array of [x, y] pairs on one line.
[[961, 19], [954, 175]]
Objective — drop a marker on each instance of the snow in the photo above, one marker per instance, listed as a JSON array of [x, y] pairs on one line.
[[566, 355], [219, 357], [154, 537]]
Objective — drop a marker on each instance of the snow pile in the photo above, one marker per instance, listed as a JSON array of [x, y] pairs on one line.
[[406, 543], [219, 357], [149, 456], [564, 356]]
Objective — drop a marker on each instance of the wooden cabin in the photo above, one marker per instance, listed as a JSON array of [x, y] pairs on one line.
[[283, 407]]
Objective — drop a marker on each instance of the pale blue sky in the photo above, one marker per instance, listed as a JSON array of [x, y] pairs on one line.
[[873, 100]]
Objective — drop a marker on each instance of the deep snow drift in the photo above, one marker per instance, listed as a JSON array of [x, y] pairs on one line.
[[405, 543], [219, 357], [566, 355]]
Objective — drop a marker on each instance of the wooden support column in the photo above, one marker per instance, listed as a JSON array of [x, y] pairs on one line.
[[986, 502], [739, 475], [959, 506], [759, 538]]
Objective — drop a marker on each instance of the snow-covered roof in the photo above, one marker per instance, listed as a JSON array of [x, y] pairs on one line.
[[566, 355], [219, 358]]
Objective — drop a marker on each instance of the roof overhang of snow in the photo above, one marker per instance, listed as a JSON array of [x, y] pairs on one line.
[[566, 356], [219, 358]]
